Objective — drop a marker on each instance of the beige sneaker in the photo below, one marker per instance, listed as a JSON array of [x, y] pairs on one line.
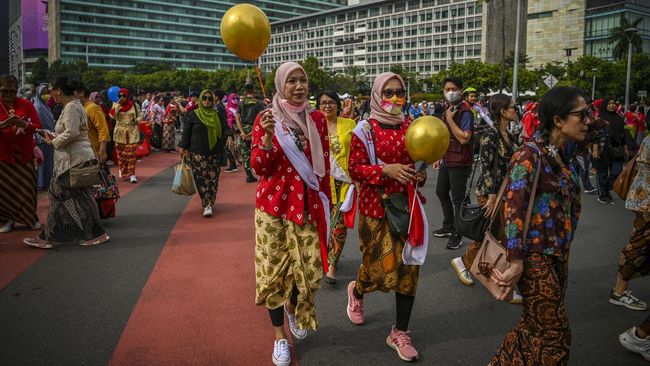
[[462, 272]]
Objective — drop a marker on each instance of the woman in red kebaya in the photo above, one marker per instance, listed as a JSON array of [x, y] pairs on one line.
[[291, 154], [380, 164], [18, 122]]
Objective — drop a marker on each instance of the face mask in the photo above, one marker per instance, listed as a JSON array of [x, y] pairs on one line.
[[45, 97], [393, 105], [452, 96]]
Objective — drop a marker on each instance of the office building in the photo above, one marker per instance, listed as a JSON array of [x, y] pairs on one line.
[[603, 15], [27, 35], [555, 31], [4, 37], [181, 33], [424, 36]]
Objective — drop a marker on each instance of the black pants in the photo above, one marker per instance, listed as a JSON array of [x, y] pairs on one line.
[[454, 181]]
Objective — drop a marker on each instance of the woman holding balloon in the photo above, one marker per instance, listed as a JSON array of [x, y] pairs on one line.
[[290, 153], [126, 134], [379, 162]]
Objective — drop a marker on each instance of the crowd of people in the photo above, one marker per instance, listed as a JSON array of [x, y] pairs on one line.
[[325, 160]]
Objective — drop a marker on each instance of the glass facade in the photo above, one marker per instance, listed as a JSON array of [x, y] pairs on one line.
[[601, 19], [180, 33]]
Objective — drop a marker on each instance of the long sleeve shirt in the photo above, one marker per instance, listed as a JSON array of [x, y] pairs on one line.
[[281, 191]]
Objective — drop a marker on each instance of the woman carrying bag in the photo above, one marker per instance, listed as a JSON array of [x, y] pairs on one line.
[[539, 260], [73, 215], [202, 144]]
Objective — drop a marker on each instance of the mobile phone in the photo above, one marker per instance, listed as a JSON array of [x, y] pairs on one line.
[[44, 132]]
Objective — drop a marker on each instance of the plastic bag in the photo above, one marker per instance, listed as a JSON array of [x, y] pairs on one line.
[[183, 179]]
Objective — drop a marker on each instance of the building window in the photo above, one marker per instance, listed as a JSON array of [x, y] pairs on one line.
[[544, 14]]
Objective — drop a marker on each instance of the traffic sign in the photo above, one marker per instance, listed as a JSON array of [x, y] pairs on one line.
[[550, 81], [642, 93]]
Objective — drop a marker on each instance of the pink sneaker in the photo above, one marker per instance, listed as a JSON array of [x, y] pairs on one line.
[[355, 306], [400, 341]]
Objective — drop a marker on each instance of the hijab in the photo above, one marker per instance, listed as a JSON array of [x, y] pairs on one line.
[[210, 118], [298, 116], [376, 111], [44, 112], [129, 103], [93, 97]]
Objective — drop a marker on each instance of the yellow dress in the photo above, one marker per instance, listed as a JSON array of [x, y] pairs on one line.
[[340, 150]]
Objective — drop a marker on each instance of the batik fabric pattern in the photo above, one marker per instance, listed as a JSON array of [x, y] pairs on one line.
[[126, 158], [206, 170], [634, 261], [287, 253]]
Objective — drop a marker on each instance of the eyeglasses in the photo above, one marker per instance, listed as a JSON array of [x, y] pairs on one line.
[[207, 97], [8, 91], [388, 93], [583, 113], [122, 95], [330, 103]]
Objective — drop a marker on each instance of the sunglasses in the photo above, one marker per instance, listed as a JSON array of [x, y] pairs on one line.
[[207, 97], [389, 93], [122, 95], [583, 113]]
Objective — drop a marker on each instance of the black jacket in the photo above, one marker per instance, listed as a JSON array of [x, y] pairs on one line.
[[195, 135]]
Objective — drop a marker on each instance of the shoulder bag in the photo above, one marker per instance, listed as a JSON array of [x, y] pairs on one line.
[[492, 253], [85, 175], [472, 222], [624, 180]]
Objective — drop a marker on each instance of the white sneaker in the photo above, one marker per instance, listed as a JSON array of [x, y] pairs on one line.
[[462, 271], [207, 212], [632, 342], [297, 333], [134, 179], [7, 227], [281, 353]]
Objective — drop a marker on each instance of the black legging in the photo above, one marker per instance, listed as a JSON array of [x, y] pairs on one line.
[[403, 308], [277, 315]]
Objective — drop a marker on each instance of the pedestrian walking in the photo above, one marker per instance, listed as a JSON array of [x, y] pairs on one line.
[[97, 126], [637, 339], [247, 110], [168, 126], [18, 122], [44, 171], [231, 114], [290, 153], [339, 134], [126, 134], [634, 260], [539, 262], [204, 136], [611, 153], [456, 165], [496, 149], [73, 216], [384, 267]]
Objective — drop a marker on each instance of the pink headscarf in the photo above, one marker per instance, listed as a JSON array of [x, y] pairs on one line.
[[93, 97], [297, 116], [378, 113]]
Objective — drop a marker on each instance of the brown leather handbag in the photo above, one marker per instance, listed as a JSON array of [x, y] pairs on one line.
[[492, 253], [624, 180]]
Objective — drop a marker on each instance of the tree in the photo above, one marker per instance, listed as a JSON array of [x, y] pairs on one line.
[[318, 78], [56, 69], [482, 76], [149, 68], [39, 72], [621, 39], [523, 59], [414, 84]]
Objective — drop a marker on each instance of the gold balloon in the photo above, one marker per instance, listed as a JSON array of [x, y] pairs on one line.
[[246, 31], [427, 139]]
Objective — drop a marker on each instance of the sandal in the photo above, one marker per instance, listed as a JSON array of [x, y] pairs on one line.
[[38, 243], [98, 240]]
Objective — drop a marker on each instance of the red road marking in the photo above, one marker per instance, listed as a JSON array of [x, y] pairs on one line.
[[16, 257], [198, 306]]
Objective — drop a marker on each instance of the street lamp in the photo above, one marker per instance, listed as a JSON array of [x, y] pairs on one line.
[[515, 72], [629, 32], [593, 84]]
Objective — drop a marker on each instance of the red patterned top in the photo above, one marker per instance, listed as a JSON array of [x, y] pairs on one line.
[[281, 191], [391, 149], [24, 143]]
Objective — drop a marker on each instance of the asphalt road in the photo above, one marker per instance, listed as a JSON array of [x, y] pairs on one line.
[[72, 306]]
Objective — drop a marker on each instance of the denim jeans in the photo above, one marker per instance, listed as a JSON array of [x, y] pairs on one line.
[[607, 175]]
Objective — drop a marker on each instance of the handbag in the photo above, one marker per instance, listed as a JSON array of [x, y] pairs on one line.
[[472, 222], [107, 189], [84, 176], [624, 180], [616, 152], [183, 180], [492, 254], [396, 211]]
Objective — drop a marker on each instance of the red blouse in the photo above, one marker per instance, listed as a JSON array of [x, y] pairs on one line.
[[24, 143], [281, 191], [391, 149]]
